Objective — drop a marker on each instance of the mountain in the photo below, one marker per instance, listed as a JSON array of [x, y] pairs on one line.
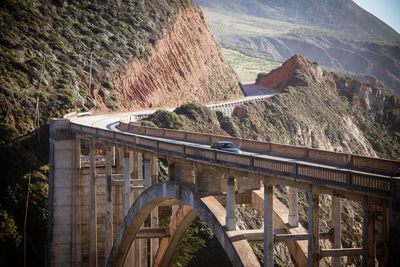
[[317, 109], [338, 34], [144, 54], [342, 15]]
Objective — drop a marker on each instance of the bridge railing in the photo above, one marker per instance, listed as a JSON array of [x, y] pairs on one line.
[[363, 163], [324, 175]]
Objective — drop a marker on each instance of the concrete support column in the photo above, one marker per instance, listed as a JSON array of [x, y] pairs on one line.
[[314, 249], [336, 219], [154, 242], [369, 242], [127, 184], [108, 204], [385, 233], [62, 165], [76, 227], [268, 225], [141, 248], [92, 207], [394, 222], [293, 207], [139, 162], [230, 221]]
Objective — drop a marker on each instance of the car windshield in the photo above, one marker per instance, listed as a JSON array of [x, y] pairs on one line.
[[227, 145]]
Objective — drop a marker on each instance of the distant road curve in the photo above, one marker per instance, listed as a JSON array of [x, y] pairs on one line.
[[253, 93]]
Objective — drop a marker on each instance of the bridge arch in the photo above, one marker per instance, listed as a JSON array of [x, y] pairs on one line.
[[239, 251]]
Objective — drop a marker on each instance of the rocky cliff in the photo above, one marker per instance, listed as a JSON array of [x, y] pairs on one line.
[[332, 112], [186, 65]]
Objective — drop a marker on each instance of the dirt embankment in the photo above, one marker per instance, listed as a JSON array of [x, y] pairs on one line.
[[185, 66]]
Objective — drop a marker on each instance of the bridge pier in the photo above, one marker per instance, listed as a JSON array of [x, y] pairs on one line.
[[62, 178], [151, 174], [293, 207], [230, 222], [108, 241], [93, 207], [314, 250], [336, 219], [268, 225]]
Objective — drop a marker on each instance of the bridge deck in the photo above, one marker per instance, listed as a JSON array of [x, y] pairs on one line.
[[297, 169]]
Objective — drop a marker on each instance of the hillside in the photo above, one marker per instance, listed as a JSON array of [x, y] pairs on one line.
[[317, 109], [338, 34], [144, 54]]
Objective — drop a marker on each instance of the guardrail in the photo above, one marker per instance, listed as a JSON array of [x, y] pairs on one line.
[[327, 175], [369, 164]]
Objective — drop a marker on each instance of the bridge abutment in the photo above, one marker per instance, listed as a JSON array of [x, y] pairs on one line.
[[62, 190]]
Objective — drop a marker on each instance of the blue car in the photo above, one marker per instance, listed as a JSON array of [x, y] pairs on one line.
[[226, 146]]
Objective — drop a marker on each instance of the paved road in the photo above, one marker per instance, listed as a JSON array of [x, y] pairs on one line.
[[105, 121], [255, 90]]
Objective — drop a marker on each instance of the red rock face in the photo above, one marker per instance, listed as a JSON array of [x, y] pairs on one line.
[[286, 75], [185, 66]]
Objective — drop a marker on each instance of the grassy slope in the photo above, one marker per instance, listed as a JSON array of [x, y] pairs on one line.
[[66, 32]]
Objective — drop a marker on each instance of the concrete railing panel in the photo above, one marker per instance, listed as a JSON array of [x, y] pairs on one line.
[[329, 156], [199, 137], [234, 158], [154, 131], [200, 153], [175, 134], [273, 165], [171, 147], [251, 145], [325, 174], [387, 166], [289, 150], [146, 142], [373, 182]]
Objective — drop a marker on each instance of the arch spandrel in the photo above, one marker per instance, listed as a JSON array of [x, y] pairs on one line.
[[210, 211]]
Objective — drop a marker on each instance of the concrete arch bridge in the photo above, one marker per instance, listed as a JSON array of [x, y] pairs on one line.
[[105, 194]]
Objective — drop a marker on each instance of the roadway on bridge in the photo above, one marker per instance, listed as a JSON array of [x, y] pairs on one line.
[[252, 92], [110, 121]]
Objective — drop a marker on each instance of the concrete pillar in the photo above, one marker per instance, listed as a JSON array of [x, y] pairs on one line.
[[230, 221], [209, 179], [385, 233], [76, 228], [336, 219], [293, 207], [127, 184], [108, 204], [313, 230], [182, 172], [154, 242], [268, 225], [369, 243], [93, 207], [394, 222], [62, 174], [141, 245]]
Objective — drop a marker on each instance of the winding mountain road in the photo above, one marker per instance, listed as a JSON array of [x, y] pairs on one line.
[[109, 120]]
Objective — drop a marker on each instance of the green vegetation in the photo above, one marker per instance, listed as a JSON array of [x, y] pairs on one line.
[[247, 67], [58, 37]]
